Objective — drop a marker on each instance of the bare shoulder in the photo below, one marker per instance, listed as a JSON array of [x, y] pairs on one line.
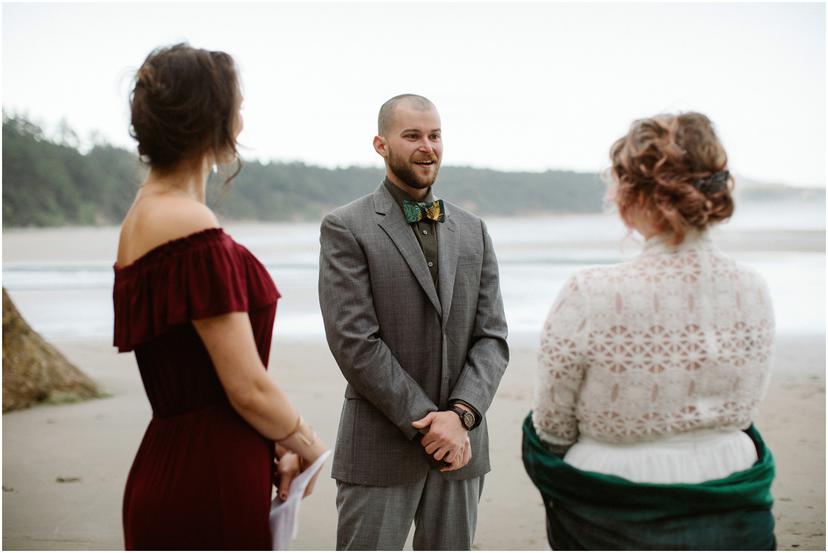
[[177, 217], [156, 221]]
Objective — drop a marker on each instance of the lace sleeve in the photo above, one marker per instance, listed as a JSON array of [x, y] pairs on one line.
[[765, 337], [560, 368]]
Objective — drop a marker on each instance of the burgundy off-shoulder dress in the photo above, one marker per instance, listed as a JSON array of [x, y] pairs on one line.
[[202, 476]]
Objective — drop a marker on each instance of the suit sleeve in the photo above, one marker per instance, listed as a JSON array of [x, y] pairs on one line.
[[353, 333], [489, 353]]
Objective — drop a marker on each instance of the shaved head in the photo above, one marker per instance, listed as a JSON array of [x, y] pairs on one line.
[[386, 114]]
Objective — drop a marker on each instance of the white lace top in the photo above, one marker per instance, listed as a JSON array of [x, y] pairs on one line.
[[675, 340]]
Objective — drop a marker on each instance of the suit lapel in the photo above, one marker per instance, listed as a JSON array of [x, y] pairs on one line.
[[391, 220], [447, 259]]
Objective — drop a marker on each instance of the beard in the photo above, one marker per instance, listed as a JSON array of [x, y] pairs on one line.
[[406, 172]]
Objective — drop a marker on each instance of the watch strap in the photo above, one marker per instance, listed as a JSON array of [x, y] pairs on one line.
[[462, 413]]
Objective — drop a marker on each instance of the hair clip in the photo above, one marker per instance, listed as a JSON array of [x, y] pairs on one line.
[[714, 183]]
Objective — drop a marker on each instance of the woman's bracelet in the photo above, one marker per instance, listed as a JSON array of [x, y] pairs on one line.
[[299, 430], [292, 432]]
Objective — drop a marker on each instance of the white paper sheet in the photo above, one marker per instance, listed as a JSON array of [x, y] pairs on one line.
[[284, 515]]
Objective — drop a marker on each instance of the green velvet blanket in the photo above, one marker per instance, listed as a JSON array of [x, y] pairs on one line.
[[589, 510]]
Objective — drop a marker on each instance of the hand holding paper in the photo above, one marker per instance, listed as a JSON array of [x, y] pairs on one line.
[[284, 515]]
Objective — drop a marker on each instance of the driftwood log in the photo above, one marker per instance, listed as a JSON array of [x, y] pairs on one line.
[[33, 370]]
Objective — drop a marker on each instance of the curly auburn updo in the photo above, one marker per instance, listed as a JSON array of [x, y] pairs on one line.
[[674, 169], [185, 104]]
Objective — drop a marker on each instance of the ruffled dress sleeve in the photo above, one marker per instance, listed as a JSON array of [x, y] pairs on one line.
[[201, 275]]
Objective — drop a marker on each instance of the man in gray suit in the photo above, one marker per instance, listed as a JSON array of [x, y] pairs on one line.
[[410, 297]]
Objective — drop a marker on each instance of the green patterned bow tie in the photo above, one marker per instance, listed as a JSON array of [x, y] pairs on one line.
[[415, 211]]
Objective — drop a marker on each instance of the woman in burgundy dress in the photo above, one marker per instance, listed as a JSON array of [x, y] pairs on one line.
[[197, 309]]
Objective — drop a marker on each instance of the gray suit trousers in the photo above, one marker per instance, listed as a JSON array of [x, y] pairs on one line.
[[444, 513]]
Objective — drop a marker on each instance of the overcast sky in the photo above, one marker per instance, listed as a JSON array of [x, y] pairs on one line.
[[519, 87]]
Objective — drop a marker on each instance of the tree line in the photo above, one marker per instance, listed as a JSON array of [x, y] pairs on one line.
[[50, 182], [47, 182]]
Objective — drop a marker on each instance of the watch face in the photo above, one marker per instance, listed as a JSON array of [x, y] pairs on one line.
[[468, 420]]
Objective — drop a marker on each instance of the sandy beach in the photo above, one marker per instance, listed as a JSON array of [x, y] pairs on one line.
[[65, 466], [90, 447]]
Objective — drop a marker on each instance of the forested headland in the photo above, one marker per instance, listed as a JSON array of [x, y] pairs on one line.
[[50, 182]]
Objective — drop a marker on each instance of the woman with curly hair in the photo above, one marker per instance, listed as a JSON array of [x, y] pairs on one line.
[[651, 371]]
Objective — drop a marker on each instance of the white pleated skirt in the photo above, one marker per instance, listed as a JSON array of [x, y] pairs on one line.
[[687, 458]]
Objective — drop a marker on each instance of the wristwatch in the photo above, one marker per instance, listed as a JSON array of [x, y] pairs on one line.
[[466, 418]]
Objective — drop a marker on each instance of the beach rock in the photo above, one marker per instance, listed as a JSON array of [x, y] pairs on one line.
[[33, 370]]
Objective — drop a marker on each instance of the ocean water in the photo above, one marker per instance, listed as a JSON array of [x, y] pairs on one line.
[[65, 298]]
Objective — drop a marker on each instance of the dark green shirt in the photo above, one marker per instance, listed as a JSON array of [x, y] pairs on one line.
[[426, 233], [425, 230]]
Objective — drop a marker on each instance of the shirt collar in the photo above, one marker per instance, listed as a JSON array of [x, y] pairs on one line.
[[399, 194], [693, 240]]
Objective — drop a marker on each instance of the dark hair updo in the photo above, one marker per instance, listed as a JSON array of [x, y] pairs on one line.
[[185, 103], [675, 169]]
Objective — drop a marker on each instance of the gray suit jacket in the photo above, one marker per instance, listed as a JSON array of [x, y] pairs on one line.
[[404, 347]]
